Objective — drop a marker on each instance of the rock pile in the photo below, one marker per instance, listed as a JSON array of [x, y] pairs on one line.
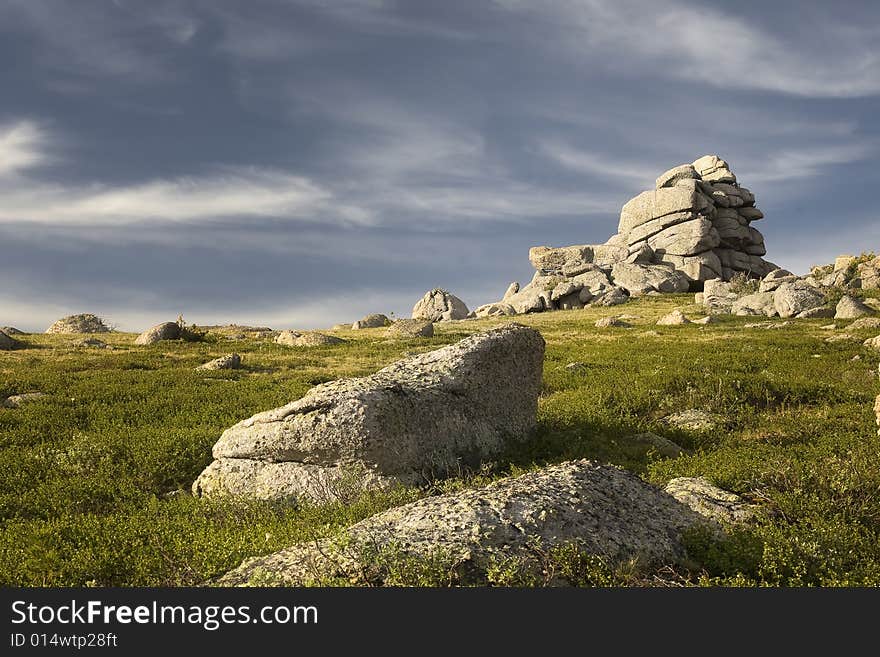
[[421, 417], [84, 323], [693, 227], [604, 511]]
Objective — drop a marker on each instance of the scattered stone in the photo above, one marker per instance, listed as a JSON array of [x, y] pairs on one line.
[[306, 339], [795, 298], [84, 323], [710, 501], [664, 446], [15, 401], [840, 337], [675, 318], [605, 511], [873, 343], [375, 320], [877, 411], [92, 343], [608, 322], [411, 328], [420, 417], [693, 419], [577, 367], [828, 327], [438, 305], [851, 308], [163, 331], [864, 323], [822, 312], [856, 357], [227, 362], [708, 319]]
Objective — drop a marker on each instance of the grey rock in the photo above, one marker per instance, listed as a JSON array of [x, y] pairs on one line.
[[577, 367], [163, 331], [532, 298], [713, 169], [420, 417], [864, 323], [851, 308], [604, 511], [776, 278], [710, 501], [609, 322], [820, 312], [15, 401], [673, 176], [83, 323], [512, 289], [873, 343], [709, 319], [411, 328], [613, 297], [684, 197], [675, 318], [11, 330], [697, 268], [794, 298], [498, 309], [664, 446], [759, 303], [640, 279], [306, 339], [227, 362], [693, 419], [767, 325], [686, 239], [375, 320], [93, 343], [438, 305]]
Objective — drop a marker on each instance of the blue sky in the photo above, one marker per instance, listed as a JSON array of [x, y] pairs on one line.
[[302, 163]]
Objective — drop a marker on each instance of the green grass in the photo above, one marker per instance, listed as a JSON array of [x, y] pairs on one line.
[[94, 477]]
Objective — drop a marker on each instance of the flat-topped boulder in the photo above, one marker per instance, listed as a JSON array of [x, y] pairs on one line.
[[599, 510], [374, 320], [306, 339], [83, 323], [411, 328], [424, 416]]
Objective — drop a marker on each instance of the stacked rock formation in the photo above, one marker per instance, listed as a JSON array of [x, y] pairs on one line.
[[693, 227], [421, 417], [84, 323]]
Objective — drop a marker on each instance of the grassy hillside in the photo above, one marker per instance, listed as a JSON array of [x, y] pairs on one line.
[[94, 477]]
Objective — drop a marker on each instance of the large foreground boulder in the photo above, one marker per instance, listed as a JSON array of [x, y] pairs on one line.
[[7, 343], [850, 307], [605, 512], [84, 323], [160, 332], [420, 417], [438, 305]]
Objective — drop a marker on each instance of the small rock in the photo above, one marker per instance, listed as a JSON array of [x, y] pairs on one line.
[[411, 328], [840, 337], [709, 500], [92, 343], [607, 322], [227, 362], [675, 318], [577, 367], [693, 419], [708, 319], [664, 446], [766, 325], [15, 401], [864, 323], [828, 327], [307, 339], [376, 320], [873, 343], [163, 331]]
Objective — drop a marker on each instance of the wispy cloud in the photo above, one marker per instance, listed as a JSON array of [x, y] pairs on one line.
[[594, 164], [674, 39], [23, 145], [787, 164]]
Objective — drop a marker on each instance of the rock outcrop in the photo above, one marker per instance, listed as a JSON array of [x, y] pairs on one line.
[[603, 511], [160, 332], [420, 417], [11, 330], [84, 323], [306, 339], [438, 305], [227, 362], [710, 501]]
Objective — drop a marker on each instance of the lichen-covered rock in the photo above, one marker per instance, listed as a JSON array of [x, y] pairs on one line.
[[499, 309], [163, 331], [375, 320], [15, 401], [639, 279], [604, 511], [664, 446], [438, 305], [411, 328], [609, 322], [84, 323], [693, 419], [873, 343], [227, 362], [864, 323], [613, 297], [759, 303], [776, 278], [710, 501], [791, 299], [675, 318], [306, 339], [423, 416], [851, 308]]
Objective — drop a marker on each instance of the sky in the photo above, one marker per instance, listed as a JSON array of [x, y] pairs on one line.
[[299, 163]]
